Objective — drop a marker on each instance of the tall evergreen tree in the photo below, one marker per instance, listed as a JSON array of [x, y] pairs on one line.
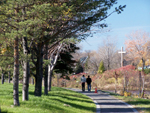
[[78, 68], [101, 68], [47, 21], [65, 63]]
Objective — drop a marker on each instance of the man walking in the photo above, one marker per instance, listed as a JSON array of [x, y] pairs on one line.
[[83, 80], [89, 80]]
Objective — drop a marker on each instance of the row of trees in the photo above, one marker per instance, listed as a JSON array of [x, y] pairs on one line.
[[106, 54], [137, 53], [36, 32]]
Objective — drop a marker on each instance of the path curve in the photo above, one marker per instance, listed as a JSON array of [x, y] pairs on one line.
[[106, 103]]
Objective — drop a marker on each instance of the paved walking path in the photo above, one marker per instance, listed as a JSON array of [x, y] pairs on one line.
[[106, 103]]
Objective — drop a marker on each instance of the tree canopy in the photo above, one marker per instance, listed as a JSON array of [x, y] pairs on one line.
[[46, 23]]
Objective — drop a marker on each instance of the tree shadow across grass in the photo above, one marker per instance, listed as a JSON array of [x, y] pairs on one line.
[[59, 89], [53, 106], [1, 111], [44, 106], [70, 97], [6, 93], [60, 92], [31, 92], [88, 108], [70, 93], [137, 102]]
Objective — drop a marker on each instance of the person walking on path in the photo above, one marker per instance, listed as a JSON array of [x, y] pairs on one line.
[[83, 80], [88, 81]]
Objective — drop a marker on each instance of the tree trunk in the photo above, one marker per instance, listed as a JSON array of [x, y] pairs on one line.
[[53, 60], [3, 78], [46, 81], [127, 84], [124, 84], [142, 78], [115, 85], [39, 71], [58, 77], [9, 77], [50, 73], [25, 88], [46, 73], [16, 73], [143, 86], [26, 71], [139, 83], [32, 80], [57, 81], [116, 78]]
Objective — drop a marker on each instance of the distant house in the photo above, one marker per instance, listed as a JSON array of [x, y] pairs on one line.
[[147, 64], [146, 67], [83, 60]]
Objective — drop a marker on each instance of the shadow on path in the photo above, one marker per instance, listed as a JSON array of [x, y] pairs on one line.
[[108, 104]]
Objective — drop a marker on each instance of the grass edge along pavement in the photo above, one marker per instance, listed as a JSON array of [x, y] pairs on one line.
[[79, 90], [99, 95], [140, 104], [58, 100]]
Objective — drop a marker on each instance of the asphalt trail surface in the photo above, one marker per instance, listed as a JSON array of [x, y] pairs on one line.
[[106, 103]]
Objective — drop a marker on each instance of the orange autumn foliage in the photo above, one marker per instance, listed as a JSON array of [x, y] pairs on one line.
[[136, 45]]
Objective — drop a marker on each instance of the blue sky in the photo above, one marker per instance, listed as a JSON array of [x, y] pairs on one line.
[[136, 16]]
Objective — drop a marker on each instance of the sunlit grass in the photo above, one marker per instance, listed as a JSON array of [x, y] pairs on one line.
[[58, 100]]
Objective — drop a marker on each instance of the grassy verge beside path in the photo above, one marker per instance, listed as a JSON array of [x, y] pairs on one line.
[[58, 100], [140, 104]]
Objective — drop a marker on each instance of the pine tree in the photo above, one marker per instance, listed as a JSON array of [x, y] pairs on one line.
[[65, 64], [46, 21], [78, 68], [101, 68]]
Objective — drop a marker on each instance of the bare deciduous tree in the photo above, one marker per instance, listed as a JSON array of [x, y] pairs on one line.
[[108, 54]]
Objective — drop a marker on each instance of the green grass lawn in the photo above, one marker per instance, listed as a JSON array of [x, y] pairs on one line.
[[58, 100], [142, 105]]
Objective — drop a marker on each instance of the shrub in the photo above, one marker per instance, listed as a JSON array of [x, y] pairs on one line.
[[136, 96], [127, 93], [111, 80], [121, 93], [120, 81], [101, 68]]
